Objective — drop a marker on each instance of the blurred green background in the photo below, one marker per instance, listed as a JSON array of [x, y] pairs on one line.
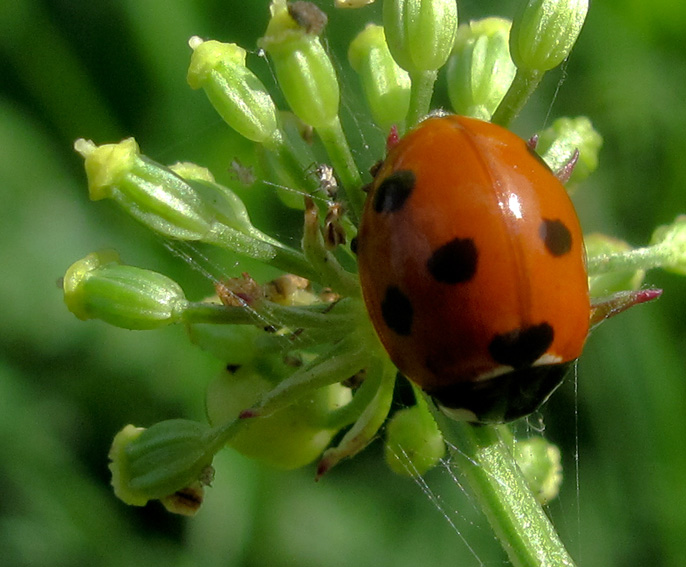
[[113, 68]]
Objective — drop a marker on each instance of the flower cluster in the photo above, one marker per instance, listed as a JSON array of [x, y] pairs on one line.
[[302, 360]]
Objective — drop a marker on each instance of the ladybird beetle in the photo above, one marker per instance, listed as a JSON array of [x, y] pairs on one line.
[[473, 269]]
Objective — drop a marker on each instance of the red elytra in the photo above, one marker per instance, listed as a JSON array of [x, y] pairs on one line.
[[473, 270]]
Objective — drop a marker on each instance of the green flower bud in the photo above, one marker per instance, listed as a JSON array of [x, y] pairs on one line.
[[303, 69], [184, 210], [289, 438], [557, 145], [146, 190], [386, 85], [236, 93], [414, 443], [544, 32], [244, 346], [541, 465], [606, 284], [227, 207], [235, 344], [420, 33], [121, 475], [100, 287], [671, 238], [155, 463], [480, 69]]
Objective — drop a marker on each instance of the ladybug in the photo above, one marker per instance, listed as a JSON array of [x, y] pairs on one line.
[[473, 268]]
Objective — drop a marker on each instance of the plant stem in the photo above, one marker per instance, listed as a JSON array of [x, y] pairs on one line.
[[638, 259], [518, 520], [342, 361], [337, 147], [420, 95], [330, 271], [369, 421], [215, 314], [523, 85]]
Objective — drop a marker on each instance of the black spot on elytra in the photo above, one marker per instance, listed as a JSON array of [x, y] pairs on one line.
[[397, 311], [454, 262], [394, 191], [521, 347], [556, 237]]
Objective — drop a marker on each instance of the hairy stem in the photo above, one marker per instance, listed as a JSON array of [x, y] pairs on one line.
[[519, 522]]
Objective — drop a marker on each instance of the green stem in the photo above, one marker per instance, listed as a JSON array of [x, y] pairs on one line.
[[483, 458], [370, 420], [638, 259], [217, 437], [308, 182], [215, 314], [320, 316], [420, 95], [330, 271], [523, 85], [342, 361], [333, 138], [341, 316], [350, 412]]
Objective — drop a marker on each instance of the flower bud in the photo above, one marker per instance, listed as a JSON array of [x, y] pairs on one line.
[[606, 284], [544, 32], [480, 69], [146, 190], [155, 463], [227, 207], [100, 287], [236, 93], [289, 438], [414, 443], [541, 465], [671, 238], [420, 33], [557, 145], [303, 69], [386, 85], [235, 344]]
